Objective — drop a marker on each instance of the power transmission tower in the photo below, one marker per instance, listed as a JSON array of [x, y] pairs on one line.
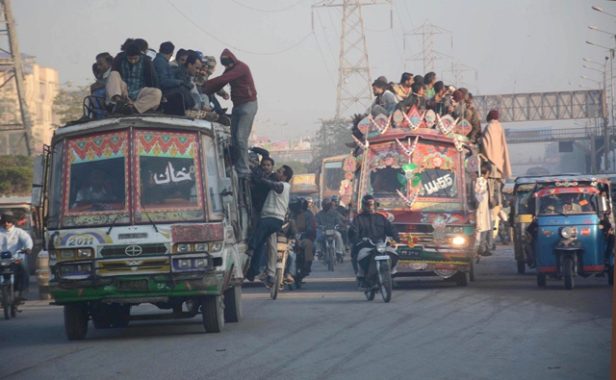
[[353, 92], [12, 66], [428, 55]]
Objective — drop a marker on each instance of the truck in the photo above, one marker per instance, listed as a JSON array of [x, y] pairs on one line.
[[143, 209]]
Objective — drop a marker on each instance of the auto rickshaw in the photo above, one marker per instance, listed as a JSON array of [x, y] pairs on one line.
[[521, 215], [571, 229]]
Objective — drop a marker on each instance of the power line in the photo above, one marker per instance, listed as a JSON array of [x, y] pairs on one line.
[[267, 10], [281, 51]]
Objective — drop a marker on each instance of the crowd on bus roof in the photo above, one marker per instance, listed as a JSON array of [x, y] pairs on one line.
[[177, 82], [426, 93], [139, 80]]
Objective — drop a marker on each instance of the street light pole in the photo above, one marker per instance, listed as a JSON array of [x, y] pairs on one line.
[[609, 117]]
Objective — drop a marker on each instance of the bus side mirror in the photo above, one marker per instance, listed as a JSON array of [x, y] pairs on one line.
[[604, 205], [37, 181]]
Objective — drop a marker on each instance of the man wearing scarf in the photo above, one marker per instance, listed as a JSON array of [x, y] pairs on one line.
[[494, 148]]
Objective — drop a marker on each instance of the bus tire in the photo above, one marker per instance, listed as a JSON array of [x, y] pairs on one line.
[[233, 304], [212, 311]]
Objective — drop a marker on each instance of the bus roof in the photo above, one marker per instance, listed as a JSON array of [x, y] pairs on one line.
[[150, 120]]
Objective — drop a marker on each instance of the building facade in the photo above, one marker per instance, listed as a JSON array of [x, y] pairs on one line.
[[41, 87]]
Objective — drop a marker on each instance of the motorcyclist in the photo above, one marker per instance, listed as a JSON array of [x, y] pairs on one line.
[[368, 224], [328, 218], [14, 240], [305, 226], [344, 212]]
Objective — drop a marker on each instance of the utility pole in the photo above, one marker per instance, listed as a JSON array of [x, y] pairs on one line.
[[428, 55], [14, 67], [353, 92]]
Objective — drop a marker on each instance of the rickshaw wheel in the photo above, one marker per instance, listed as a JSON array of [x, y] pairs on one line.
[[541, 282]]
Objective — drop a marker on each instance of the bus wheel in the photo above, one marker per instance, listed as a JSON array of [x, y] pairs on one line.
[[233, 304], [213, 314], [76, 321]]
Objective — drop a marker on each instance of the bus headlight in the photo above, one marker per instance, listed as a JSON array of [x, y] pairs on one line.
[[458, 241], [84, 253], [215, 246], [201, 247], [183, 248]]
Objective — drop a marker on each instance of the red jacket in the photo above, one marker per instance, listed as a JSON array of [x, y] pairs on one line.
[[239, 77]]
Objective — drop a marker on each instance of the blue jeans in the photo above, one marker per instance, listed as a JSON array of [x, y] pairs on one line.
[[242, 118], [265, 228]]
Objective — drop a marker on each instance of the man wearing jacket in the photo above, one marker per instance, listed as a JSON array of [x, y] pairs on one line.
[[244, 98], [132, 84], [368, 224]]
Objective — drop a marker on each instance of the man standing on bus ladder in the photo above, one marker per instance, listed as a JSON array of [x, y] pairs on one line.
[[244, 98]]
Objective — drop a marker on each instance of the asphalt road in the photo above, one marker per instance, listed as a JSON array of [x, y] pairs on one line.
[[499, 327]]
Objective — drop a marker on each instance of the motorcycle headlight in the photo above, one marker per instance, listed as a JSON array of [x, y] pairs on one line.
[[568, 232], [380, 248]]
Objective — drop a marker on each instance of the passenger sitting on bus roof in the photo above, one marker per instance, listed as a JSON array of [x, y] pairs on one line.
[[385, 101], [437, 103], [166, 76], [403, 89], [180, 58], [133, 84], [208, 70], [102, 69], [178, 88], [459, 103], [429, 81], [415, 99]]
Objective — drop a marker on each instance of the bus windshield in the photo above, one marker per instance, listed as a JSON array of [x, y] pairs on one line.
[[95, 168], [104, 185], [168, 183], [430, 173]]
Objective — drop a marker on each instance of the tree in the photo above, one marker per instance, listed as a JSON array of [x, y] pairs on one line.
[[331, 140], [298, 167], [68, 104], [15, 175]]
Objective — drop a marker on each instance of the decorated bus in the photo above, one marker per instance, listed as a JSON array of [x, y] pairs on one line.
[[420, 168], [143, 210]]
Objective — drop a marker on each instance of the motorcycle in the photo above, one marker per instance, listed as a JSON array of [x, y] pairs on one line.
[[378, 261], [8, 270], [285, 250], [330, 255]]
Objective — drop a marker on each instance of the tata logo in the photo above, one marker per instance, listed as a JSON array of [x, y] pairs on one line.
[[133, 250]]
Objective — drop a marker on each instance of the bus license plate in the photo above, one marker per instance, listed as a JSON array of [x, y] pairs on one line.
[[133, 285]]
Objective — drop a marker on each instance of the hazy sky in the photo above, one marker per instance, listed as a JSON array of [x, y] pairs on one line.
[[509, 46]]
